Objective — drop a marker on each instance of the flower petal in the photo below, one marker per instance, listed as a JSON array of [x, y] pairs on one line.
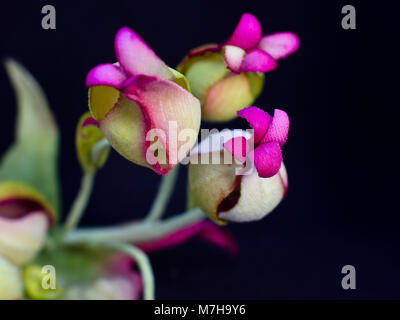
[[11, 284], [101, 100], [238, 147], [280, 45], [17, 199], [279, 128], [204, 72], [233, 57], [247, 33], [209, 185], [214, 142], [267, 159], [22, 238], [204, 229], [231, 94], [258, 119], [165, 104], [257, 60], [136, 57], [106, 74], [258, 197]]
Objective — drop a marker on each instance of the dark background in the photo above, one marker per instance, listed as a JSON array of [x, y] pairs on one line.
[[341, 208]]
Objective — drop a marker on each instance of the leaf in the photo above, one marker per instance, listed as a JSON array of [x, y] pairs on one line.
[[32, 158]]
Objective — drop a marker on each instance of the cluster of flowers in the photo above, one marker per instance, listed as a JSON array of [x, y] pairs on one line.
[[140, 94], [214, 82]]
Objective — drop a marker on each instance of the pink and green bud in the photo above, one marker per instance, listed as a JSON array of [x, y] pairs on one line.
[[253, 181], [25, 217], [138, 96], [88, 134], [229, 76]]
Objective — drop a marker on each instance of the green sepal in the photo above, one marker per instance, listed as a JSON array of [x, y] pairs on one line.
[[32, 159]]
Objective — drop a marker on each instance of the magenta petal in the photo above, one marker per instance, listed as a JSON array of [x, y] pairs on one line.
[[90, 121], [136, 57], [258, 119], [280, 45], [257, 60], [268, 159], [279, 128], [105, 74], [205, 229], [238, 147], [233, 57], [247, 33]]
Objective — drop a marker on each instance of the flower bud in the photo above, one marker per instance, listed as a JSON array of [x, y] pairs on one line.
[[224, 196], [11, 286], [87, 135], [25, 218], [246, 178], [229, 76], [140, 96]]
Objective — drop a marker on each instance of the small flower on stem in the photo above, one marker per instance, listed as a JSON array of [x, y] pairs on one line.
[[229, 76], [222, 193], [137, 96]]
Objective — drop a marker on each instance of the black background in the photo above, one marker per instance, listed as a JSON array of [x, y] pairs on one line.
[[340, 93]]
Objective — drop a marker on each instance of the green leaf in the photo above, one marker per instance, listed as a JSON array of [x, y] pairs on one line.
[[32, 158]]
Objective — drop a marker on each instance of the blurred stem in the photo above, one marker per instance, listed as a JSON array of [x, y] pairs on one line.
[[163, 195], [136, 232], [142, 261], [85, 190], [80, 202]]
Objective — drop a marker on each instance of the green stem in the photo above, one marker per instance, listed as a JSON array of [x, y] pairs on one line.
[[164, 194], [136, 232], [142, 261], [82, 199], [80, 202], [98, 149]]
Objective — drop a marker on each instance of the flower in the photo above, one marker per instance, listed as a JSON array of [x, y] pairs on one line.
[[140, 96], [229, 76], [270, 133], [225, 193], [25, 218]]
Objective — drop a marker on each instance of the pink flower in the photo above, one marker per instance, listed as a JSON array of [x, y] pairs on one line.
[[229, 76], [248, 51], [140, 94], [270, 134]]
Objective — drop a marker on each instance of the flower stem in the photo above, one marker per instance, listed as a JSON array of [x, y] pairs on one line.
[[142, 261], [164, 194], [136, 232], [80, 202]]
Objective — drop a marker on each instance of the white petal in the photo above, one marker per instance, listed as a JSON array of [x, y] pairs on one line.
[[258, 197]]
